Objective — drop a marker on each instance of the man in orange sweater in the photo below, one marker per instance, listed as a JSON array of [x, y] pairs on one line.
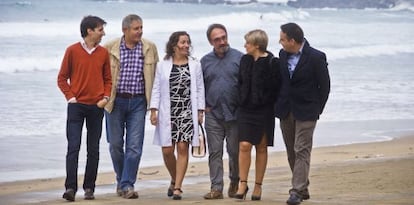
[[85, 80]]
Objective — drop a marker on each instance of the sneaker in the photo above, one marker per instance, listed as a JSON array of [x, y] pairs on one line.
[[119, 191], [214, 194], [69, 195], [231, 192], [89, 194], [130, 193]]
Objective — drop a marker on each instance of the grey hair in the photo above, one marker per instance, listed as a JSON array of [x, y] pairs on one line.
[[126, 22]]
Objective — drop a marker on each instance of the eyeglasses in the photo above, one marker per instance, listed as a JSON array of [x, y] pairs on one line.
[[219, 39]]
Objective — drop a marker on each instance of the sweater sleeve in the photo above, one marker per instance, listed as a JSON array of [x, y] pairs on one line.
[[64, 75]]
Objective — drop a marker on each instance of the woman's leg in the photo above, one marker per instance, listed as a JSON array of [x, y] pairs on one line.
[[261, 162], [170, 163], [181, 166], [244, 165]]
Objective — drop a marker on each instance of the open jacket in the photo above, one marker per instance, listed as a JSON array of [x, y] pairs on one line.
[[150, 53], [160, 100], [306, 93]]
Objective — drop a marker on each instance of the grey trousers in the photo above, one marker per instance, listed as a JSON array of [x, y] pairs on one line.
[[217, 131], [298, 138]]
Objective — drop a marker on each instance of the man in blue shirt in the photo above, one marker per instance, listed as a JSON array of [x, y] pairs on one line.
[[220, 70], [305, 86]]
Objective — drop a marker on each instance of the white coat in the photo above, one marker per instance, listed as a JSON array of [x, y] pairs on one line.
[[160, 100]]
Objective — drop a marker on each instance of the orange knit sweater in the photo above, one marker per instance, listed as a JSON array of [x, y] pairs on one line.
[[87, 77]]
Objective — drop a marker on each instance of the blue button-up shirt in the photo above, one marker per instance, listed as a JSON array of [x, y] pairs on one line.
[[293, 60], [221, 83]]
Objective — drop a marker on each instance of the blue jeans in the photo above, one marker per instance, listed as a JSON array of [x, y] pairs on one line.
[[76, 115], [126, 119]]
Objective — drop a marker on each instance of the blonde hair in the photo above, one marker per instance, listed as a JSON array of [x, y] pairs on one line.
[[257, 37]]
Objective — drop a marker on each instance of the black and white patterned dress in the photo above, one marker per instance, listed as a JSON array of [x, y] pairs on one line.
[[181, 116]]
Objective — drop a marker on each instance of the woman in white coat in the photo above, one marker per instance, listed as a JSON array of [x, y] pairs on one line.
[[177, 106]]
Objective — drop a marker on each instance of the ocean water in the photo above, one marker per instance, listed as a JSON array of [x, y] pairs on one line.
[[369, 53]]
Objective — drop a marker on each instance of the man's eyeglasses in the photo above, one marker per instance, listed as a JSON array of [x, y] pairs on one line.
[[219, 39]]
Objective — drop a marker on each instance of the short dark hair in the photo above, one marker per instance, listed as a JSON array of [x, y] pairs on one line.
[[213, 26], [173, 41], [90, 22], [292, 30]]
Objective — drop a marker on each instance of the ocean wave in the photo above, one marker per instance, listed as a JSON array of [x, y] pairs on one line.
[[367, 51], [71, 28], [28, 64], [41, 63], [17, 3], [404, 6]]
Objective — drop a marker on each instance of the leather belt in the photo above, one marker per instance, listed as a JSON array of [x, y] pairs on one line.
[[128, 95]]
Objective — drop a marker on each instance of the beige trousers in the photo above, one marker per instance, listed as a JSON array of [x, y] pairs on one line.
[[298, 138]]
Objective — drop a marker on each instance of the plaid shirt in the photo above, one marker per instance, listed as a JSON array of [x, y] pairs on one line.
[[131, 69]]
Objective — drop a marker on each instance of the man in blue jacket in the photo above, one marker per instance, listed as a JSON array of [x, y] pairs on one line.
[[305, 86]]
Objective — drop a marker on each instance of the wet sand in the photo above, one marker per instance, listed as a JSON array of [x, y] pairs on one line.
[[365, 173]]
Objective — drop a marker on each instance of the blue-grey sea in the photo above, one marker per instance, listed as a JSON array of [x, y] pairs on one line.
[[370, 54]]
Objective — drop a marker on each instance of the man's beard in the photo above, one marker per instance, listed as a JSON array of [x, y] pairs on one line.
[[223, 49]]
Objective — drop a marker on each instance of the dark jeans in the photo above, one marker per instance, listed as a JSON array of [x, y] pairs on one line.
[[76, 114]]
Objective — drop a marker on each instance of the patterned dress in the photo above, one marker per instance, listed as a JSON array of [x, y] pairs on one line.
[[181, 116]]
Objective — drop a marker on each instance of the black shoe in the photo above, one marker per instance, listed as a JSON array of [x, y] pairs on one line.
[[177, 196], [257, 197], [305, 194], [89, 194], [232, 189], [294, 199], [243, 195], [69, 195], [170, 190]]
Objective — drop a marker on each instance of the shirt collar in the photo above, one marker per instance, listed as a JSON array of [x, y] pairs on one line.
[[123, 44], [84, 46]]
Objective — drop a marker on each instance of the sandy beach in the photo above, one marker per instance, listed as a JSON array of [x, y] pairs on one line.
[[366, 173]]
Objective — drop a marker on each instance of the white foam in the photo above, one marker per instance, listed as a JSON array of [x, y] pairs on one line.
[[403, 5], [35, 63], [368, 50]]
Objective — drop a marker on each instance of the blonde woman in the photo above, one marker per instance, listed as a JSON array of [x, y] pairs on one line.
[[258, 88]]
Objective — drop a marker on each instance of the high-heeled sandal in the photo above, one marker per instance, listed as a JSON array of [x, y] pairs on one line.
[[170, 190], [177, 196], [257, 197], [243, 195]]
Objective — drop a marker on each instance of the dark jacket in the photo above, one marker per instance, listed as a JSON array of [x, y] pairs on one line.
[[258, 81], [306, 93]]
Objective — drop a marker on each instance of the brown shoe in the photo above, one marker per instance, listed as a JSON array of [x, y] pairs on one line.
[[119, 191], [214, 194], [232, 189], [130, 193]]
